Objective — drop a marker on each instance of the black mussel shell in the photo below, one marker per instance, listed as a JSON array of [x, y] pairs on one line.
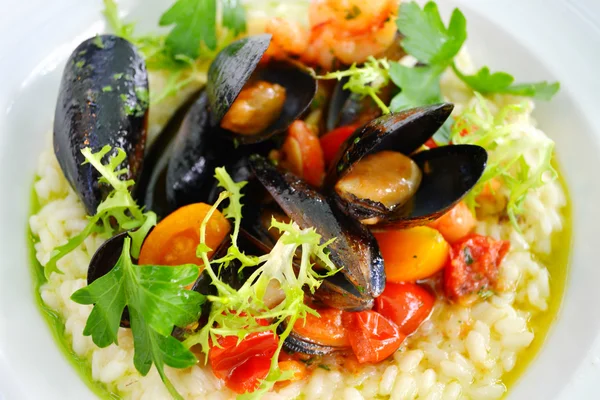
[[448, 173], [355, 249], [195, 154], [151, 188], [403, 132], [296, 343], [347, 108], [231, 70], [103, 100]]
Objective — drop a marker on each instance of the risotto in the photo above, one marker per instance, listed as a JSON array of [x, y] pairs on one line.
[[460, 350]]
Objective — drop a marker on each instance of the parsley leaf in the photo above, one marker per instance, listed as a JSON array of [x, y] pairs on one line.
[[420, 86], [156, 303], [485, 82], [117, 213], [540, 90], [195, 23], [425, 36], [111, 13], [234, 16]]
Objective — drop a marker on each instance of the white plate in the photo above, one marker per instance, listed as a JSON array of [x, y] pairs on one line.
[[534, 39]]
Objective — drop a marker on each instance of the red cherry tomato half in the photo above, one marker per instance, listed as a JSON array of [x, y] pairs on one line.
[[332, 140], [473, 266], [372, 336], [243, 366], [405, 304], [303, 155], [327, 329]]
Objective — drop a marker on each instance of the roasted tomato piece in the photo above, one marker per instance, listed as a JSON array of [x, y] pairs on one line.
[[372, 336], [302, 154], [405, 304], [473, 266], [328, 329], [332, 140], [243, 366]]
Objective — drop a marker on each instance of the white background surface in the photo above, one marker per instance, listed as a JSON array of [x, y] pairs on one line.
[[533, 39]]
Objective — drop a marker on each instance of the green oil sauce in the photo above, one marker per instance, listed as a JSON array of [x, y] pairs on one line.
[[557, 264], [55, 322]]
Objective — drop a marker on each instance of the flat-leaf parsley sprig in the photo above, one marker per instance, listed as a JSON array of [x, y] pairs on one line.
[[156, 301], [117, 213], [435, 46]]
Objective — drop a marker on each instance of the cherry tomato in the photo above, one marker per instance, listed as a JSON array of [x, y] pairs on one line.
[[328, 329], [431, 143], [412, 254], [405, 304], [456, 223], [473, 266], [372, 336], [302, 154], [243, 366], [332, 140]]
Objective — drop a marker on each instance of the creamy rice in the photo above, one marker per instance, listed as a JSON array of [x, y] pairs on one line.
[[459, 353]]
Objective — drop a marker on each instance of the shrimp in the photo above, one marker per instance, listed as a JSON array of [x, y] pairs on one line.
[[354, 17], [349, 30], [345, 30], [289, 38]]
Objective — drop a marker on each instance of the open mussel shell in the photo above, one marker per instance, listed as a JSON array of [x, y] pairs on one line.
[[229, 72], [362, 277], [102, 100], [403, 132], [447, 173], [196, 152], [232, 69]]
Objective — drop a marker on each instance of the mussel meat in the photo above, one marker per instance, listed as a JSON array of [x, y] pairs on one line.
[[251, 103], [103, 100], [378, 179], [355, 249]]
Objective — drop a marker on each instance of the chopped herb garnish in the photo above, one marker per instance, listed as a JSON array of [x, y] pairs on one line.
[[80, 64], [117, 76], [468, 256], [325, 367], [485, 293], [98, 42], [354, 12], [107, 88]]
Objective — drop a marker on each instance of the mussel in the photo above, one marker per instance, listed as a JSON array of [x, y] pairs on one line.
[[103, 100], [196, 152], [378, 179], [270, 96], [355, 249]]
